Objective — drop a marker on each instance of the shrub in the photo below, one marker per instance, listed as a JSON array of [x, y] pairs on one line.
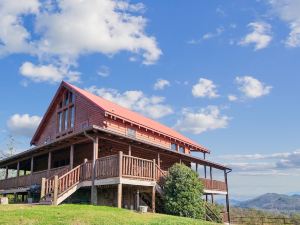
[[183, 193]]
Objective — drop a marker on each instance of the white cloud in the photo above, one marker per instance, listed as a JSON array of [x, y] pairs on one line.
[[14, 37], [210, 35], [103, 71], [205, 88], [203, 120], [64, 30], [161, 84], [152, 106], [251, 87], [24, 125], [288, 11], [260, 35], [232, 98], [50, 73]]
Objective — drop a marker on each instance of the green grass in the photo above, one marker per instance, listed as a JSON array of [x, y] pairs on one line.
[[84, 215]]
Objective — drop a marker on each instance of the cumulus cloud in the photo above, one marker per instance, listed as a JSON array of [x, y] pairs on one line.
[[50, 73], [23, 124], [205, 119], [288, 11], [252, 87], [66, 29], [153, 106], [208, 36], [261, 164], [161, 84], [260, 35], [205, 88]]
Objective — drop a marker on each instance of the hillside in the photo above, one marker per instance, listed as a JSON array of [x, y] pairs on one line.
[[273, 202], [84, 214]]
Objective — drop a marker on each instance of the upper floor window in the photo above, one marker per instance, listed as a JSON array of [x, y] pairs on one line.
[[66, 112], [174, 147], [181, 149], [131, 132]]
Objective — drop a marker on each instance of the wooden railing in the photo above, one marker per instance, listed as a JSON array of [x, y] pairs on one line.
[[138, 168], [30, 179], [261, 220], [106, 167], [214, 185], [69, 179], [160, 175]]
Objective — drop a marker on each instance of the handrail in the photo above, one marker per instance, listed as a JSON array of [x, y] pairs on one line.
[[216, 217]]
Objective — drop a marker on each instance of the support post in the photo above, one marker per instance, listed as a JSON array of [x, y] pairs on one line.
[[95, 156], [120, 195], [204, 155], [137, 199], [197, 169], [49, 162], [55, 191], [212, 198], [129, 150], [227, 197], [120, 163], [43, 188], [153, 199], [31, 165], [18, 169], [71, 156], [158, 160], [154, 170], [6, 172], [210, 175]]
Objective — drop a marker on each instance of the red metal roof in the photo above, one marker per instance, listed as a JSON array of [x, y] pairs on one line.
[[133, 117]]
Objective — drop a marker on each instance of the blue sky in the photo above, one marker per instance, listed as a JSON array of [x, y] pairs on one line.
[[177, 63]]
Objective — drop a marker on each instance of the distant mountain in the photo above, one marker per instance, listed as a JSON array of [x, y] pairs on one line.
[[233, 202], [273, 202]]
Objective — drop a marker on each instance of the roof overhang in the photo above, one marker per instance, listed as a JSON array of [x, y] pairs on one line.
[[80, 137]]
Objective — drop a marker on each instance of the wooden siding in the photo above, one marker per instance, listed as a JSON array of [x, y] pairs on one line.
[[86, 114]]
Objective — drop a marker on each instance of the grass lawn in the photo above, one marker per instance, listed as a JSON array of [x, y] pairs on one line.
[[84, 214]]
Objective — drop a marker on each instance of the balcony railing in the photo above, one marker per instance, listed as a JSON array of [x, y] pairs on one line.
[[214, 185]]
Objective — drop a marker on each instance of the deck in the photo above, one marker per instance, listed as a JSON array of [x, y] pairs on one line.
[[111, 169]]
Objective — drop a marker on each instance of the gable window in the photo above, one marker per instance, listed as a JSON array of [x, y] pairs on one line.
[[131, 132], [181, 149], [174, 147], [66, 112]]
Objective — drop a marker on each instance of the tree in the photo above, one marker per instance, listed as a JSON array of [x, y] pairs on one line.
[[11, 149], [183, 193]]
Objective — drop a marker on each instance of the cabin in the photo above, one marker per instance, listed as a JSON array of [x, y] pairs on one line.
[[88, 149]]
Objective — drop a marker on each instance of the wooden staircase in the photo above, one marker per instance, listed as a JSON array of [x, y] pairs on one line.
[[57, 188]]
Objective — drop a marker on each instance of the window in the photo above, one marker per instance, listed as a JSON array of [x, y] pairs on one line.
[[72, 116], [66, 112], [174, 147], [131, 132], [181, 149]]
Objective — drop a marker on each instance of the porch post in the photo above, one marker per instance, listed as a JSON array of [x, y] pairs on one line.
[[6, 172], [158, 160], [95, 156], [227, 197], [120, 195], [204, 166], [137, 199], [71, 156], [31, 165], [129, 150], [18, 168], [154, 169], [153, 199]]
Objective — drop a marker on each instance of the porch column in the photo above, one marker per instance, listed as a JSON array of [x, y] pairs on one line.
[[129, 150], [120, 195], [158, 160], [18, 169], [31, 165], [197, 169], [95, 156], [137, 199], [227, 197], [49, 160], [204, 155], [6, 172], [153, 199], [71, 156]]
